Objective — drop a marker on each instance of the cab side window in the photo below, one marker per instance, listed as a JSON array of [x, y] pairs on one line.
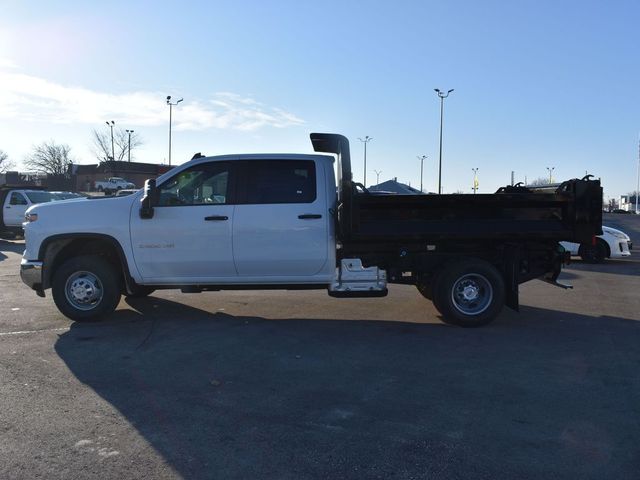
[[280, 181], [205, 184], [17, 199]]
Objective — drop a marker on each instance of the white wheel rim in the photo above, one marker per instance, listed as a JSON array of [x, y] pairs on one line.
[[84, 290], [472, 294]]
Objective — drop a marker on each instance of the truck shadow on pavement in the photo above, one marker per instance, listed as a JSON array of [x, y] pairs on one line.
[[619, 266], [541, 394], [14, 247]]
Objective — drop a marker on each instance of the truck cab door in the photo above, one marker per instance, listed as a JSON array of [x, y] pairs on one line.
[[188, 240], [280, 228], [15, 206]]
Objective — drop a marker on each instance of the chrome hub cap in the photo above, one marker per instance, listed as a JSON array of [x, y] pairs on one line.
[[472, 294], [84, 290]]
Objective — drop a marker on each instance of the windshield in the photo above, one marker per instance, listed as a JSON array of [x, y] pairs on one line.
[[40, 197]]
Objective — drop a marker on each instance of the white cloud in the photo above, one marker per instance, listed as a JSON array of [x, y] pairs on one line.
[[35, 99], [7, 63]]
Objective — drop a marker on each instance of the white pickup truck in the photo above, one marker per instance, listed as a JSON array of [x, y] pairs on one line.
[[16, 201], [285, 221], [112, 185]]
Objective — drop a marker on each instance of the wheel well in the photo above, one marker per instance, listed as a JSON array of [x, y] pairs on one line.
[[60, 250]]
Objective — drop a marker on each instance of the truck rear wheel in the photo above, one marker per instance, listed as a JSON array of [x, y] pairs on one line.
[[469, 293], [86, 288]]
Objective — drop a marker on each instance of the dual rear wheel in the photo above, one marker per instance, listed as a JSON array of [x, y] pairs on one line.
[[467, 293]]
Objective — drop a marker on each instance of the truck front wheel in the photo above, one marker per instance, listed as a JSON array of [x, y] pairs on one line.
[[469, 293], [86, 288]]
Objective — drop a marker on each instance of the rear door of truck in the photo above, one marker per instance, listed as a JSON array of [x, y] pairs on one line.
[[280, 226]]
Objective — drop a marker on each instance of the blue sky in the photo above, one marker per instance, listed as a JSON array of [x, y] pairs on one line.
[[537, 83]]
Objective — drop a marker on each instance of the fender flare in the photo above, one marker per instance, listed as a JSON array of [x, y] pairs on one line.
[[48, 257]]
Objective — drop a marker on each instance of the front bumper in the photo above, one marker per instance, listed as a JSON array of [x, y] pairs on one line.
[[31, 274]]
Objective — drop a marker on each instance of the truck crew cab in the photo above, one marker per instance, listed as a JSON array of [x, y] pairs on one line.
[[285, 221]]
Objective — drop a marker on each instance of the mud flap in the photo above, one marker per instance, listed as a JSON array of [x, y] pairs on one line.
[[511, 275], [563, 257]]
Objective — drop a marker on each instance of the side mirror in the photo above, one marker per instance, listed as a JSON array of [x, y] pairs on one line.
[[149, 199]]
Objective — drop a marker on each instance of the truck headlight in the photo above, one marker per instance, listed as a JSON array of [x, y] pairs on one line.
[[30, 217]]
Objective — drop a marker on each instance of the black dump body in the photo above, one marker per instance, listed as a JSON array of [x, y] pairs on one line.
[[571, 212]]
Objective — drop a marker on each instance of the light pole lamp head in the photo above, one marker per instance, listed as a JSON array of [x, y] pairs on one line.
[[168, 99], [179, 101], [450, 91], [437, 90]]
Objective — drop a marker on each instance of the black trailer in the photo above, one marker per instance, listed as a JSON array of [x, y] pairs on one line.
[[467, 253]]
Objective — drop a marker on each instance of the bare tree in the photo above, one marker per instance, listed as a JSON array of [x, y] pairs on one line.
[[49, 157], [612, 204], [102, 144], [538, 182], [5, 163]]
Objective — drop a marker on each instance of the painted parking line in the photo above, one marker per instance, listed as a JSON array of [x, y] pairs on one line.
[[25, 332]]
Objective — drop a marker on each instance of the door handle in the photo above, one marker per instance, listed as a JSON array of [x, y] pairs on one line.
[[216, 217], [309, 216]]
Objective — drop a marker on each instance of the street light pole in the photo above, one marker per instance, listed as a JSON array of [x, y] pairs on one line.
[[110, 125], [422, 159], [378, 172], [366, 140], [475, 180], [442, 96], [551, 169], [171, 105], [129, 132], [638, 183]]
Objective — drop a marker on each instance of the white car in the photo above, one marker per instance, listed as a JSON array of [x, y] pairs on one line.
[[611, 244]]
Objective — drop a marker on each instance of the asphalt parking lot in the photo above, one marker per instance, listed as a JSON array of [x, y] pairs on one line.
[[299, 385]]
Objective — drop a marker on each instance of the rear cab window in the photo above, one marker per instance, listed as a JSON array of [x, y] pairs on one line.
[[279, 181]]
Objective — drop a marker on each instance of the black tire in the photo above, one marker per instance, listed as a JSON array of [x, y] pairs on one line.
[[469, 293], [140, 291], [86, 288], [593, 253]]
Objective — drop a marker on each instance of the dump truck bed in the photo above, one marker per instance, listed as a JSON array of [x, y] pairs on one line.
[[572, 213]]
